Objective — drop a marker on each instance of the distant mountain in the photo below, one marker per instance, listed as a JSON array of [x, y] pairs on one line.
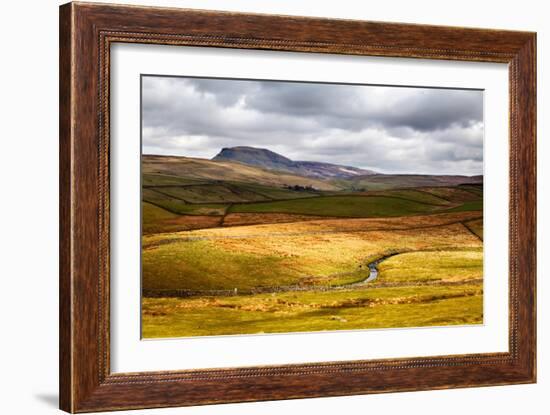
[[222, 169], [212, 171], [268, 159]]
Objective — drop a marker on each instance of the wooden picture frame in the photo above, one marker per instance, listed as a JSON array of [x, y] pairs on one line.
[[86, 33]]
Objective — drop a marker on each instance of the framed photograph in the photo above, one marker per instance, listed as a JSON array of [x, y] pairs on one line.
[[259, 207]]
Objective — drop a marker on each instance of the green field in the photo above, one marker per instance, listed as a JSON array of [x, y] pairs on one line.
[[341, 206], [312, 311], [459, 194], [468, 206], [269, 252], [178, 206], [416, 195], [396, 181]]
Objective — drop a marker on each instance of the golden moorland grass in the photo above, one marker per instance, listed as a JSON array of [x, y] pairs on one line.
[[435, 278], [411, 306], [243, 219], [326, 224], [313, 252], [461, 264], [265, 251], [476, 226]]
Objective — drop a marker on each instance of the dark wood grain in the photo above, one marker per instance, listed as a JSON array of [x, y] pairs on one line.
[[65, 246], [86, 33]]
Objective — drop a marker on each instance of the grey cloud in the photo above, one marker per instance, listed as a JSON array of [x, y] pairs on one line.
[[406, 130], [348, 105]]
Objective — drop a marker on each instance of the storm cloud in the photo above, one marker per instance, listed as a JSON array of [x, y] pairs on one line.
[[383, 128]]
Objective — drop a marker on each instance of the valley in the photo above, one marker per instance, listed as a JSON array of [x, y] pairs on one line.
[[253, 242]]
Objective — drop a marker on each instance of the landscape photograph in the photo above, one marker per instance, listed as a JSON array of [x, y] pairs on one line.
[[283, 206]]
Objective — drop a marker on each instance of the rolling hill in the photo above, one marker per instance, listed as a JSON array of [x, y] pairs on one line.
[[254, 242], [264, 167], [214, 170], [268, 159], [397, 181]]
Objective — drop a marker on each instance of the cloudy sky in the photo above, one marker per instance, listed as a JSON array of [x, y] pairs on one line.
[[388, 129]]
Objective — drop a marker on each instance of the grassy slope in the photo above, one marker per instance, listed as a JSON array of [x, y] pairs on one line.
[[458, 194], [452, 265], [342, 206], [157, 220], [476, 226], [319, 252], [395, 181], [177, 206], [152, 179], [216, 199], [416, 195], [187, 186], [267, 255], [313, 311], [203, 169], [213, 193], [468, 206], [271, 192]]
